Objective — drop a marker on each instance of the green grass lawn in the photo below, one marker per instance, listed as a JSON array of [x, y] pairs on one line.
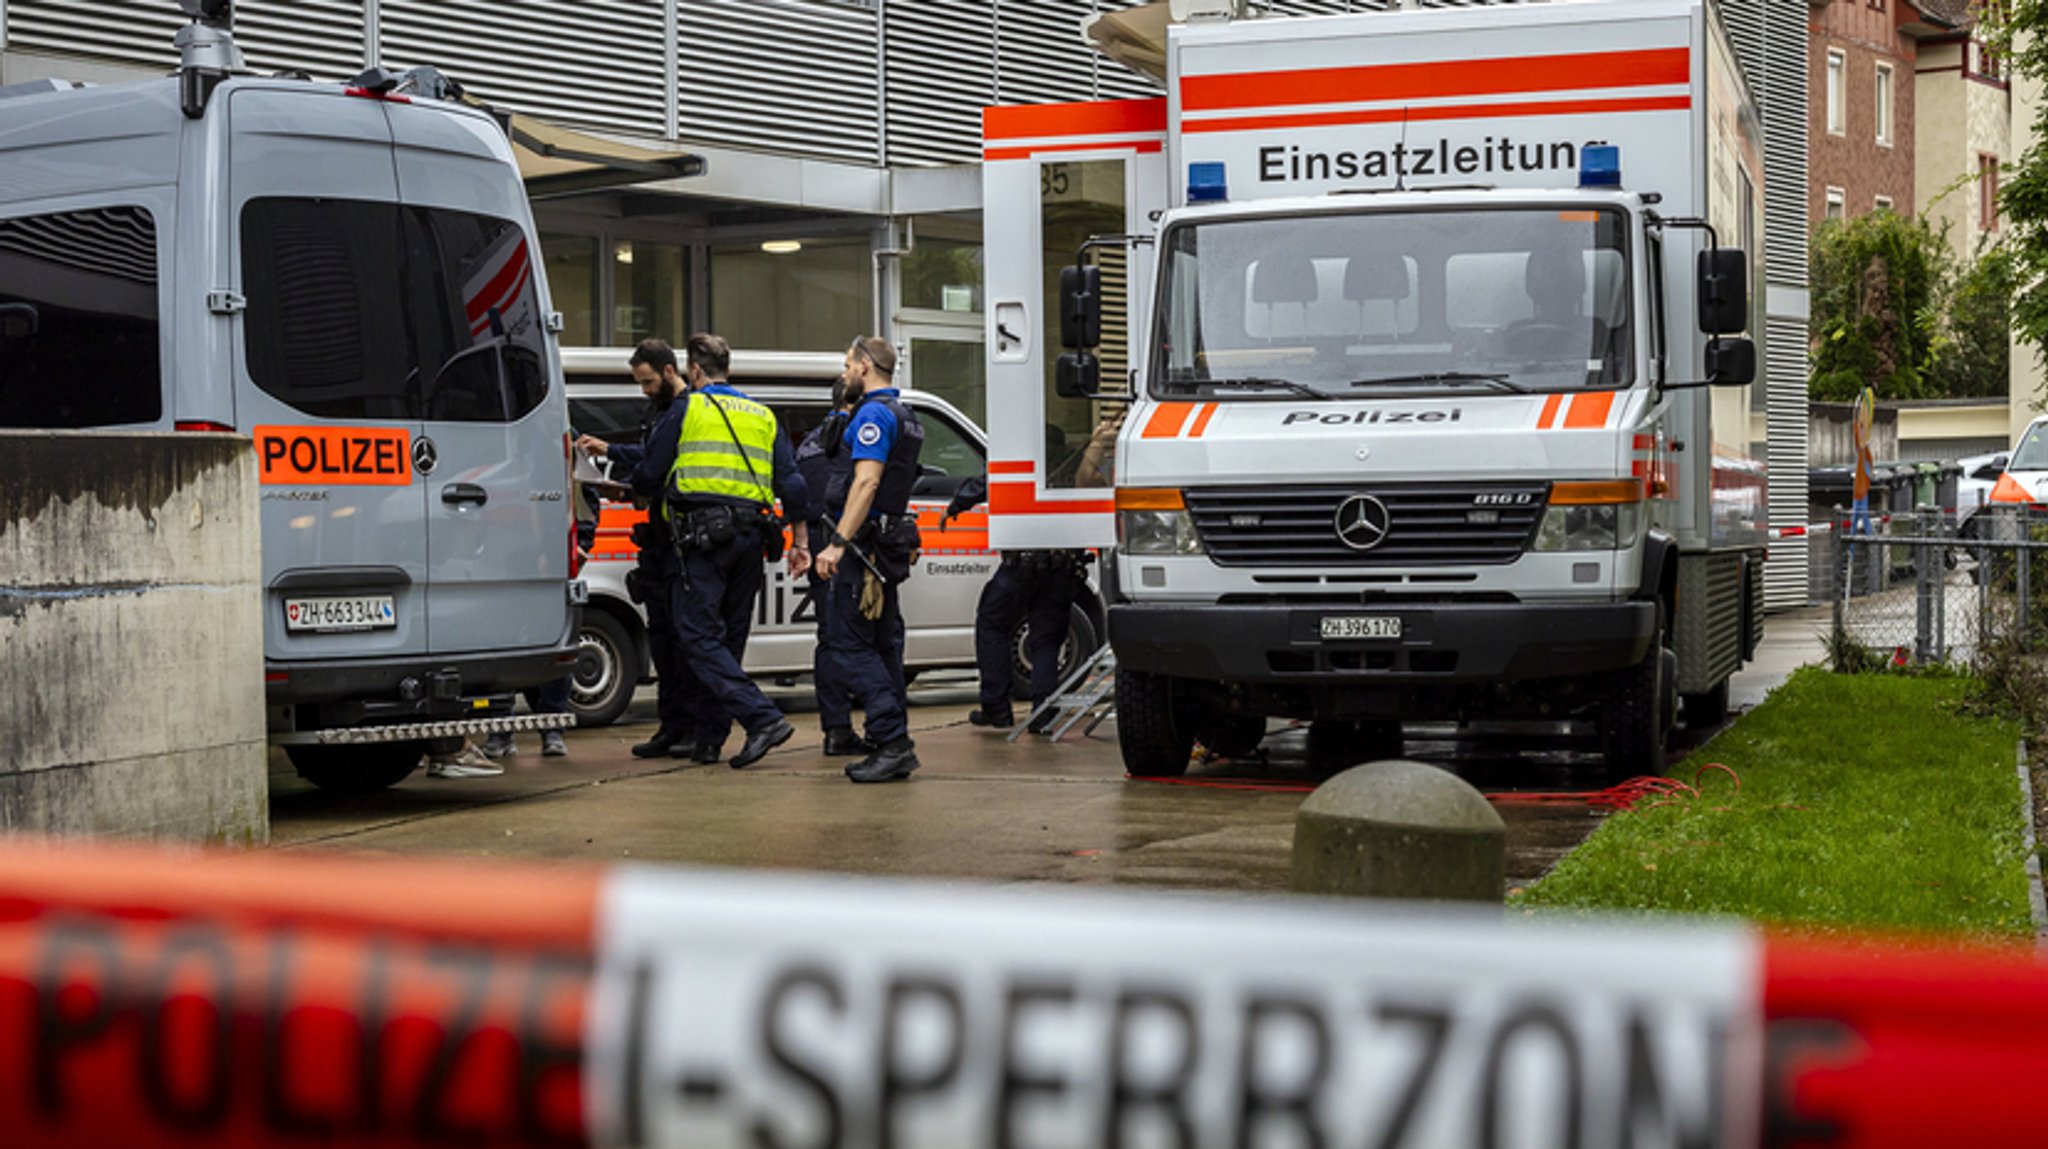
[[1867, 802]]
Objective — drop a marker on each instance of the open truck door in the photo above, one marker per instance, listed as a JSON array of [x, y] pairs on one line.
[[1058, 176]]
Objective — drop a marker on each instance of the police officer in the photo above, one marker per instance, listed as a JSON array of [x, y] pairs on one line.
[[727, 468], [814, 458], [870, 552], [653, 583], [1035, 587]]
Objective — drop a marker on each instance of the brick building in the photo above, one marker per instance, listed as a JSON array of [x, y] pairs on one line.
[[1862, 102]]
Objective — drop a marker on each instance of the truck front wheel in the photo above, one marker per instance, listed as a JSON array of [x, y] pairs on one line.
[[362, 769], [1156, 737], [1635, 717]]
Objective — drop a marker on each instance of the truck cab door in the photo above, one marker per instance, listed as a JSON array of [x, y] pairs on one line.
[[1055, 176], [320, 373], [497, 500]]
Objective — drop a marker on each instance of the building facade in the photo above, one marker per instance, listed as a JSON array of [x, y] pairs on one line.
[[1864, 56], [840, 191], [1965, 98]]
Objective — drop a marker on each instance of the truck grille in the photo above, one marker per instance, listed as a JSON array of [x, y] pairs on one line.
[[1429, 524]]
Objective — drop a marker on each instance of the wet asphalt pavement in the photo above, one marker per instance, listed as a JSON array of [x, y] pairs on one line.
[[981, 809]]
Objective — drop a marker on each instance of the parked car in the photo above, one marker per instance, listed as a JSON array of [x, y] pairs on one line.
[[938, 601], [1973, 489]]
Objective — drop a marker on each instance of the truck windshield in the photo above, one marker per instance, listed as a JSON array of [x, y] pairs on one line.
[[1377, 304]]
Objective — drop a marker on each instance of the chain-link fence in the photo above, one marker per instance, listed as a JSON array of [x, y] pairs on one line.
[[1921, 588]]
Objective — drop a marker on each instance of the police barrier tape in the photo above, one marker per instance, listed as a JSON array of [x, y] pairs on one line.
[[154, 1000]]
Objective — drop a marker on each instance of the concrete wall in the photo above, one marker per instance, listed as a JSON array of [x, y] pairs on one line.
[[131, 637]]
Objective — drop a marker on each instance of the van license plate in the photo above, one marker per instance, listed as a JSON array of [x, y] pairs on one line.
[[1362, 626], [329, 615]]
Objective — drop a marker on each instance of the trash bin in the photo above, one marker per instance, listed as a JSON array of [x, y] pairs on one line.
[[1926, 485], [1948, 481]]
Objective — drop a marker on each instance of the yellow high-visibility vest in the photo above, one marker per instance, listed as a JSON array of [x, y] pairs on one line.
[[712, 458]]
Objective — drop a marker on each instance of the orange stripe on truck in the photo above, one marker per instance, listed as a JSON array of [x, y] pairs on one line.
[[1087, 118], [1549, 415], [1436, 79], [1525, 108], [1167, 420], [1589, 411]]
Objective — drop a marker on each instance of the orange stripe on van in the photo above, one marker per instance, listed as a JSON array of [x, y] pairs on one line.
[[334, 456], [1550, 406], [1202, 421], [1589, 411], [1167, 420]]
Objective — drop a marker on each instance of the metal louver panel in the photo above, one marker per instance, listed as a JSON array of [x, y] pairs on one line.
[[1040, 57], [941, 72], [322, 37], [793, 75], [1769, 37], [597, 62]]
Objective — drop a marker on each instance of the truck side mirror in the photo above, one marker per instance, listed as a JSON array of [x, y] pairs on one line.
[[1731, 362], [1724, 291], [1080, 307], [1077, 375]]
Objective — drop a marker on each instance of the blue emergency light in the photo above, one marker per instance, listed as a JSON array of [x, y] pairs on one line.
[[1207, 183], [1600, 166]]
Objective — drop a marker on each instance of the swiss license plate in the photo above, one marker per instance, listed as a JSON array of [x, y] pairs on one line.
[[1361, 626], [354, 612]]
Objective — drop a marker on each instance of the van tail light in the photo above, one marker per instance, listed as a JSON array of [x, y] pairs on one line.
[[575, 552], [204, 426], [371, 94]]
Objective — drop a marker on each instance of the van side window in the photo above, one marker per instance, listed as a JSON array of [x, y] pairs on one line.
[[950, 457], [365, 310], [79, 341]]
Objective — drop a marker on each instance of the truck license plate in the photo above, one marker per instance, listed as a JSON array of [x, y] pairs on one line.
[[356, 612], [1361, 626]]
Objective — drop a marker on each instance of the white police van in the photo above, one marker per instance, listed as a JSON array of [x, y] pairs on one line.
[[347, 276], [938, 601]]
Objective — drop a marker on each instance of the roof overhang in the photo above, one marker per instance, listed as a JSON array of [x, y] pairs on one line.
[[1134, 37], [554, 160]]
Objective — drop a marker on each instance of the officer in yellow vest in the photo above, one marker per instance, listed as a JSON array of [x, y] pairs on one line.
[[731, 463]]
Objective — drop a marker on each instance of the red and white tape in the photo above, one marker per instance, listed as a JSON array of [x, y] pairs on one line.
[[155, 1000]]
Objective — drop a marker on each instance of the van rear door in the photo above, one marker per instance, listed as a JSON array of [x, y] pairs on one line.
[[499, 519], [321, 374]]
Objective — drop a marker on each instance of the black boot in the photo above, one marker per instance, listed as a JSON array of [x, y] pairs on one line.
[[657, 746], [760, 742], [892, 763], [999, 719], [842, 742]]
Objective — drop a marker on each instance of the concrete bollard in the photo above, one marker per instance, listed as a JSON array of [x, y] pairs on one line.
[[1399, 829]]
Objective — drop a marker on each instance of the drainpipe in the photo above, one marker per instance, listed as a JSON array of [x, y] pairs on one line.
[[882, 300]]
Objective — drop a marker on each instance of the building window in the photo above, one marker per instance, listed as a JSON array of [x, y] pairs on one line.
[[1987, 191], [1838, 65], [812, 294], [650, 293], [1987, 59], [1882, 203], [1835, 199], [1884, 105], [572, 280], [1877, 5]]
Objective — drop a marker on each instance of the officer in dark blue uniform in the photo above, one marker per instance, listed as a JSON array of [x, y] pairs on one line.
[[814, 458], [729, 464], [653, 581], [874, 542]]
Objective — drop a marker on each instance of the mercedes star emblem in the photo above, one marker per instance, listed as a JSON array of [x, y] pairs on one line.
[[424, 456], [1362, 522]]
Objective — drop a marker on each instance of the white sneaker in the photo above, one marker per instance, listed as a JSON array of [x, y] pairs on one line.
[[440, 769], [468, 762]]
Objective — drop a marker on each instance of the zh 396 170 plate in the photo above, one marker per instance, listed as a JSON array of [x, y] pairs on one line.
[[1361, 626]]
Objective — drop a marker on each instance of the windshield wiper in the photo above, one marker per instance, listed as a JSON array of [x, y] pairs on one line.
[[1262, 381], [1497, 379]]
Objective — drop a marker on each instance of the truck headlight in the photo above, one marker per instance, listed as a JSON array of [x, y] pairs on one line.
[[1602, 516], [1154, 522]]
